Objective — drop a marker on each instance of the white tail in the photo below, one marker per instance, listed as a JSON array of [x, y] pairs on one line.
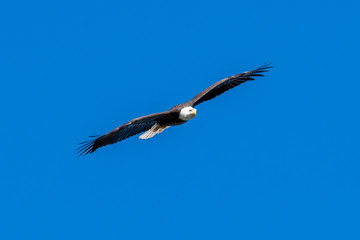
[[156, 129]]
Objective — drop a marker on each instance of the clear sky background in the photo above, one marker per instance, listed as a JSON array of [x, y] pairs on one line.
[[276, 158]]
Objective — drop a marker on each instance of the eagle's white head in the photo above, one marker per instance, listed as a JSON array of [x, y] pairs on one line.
[[187, 113]]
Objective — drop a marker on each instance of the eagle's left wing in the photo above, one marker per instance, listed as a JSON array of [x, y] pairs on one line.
[[225, 84]]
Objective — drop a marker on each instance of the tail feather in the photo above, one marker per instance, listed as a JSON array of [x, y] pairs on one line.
[[156, 129]]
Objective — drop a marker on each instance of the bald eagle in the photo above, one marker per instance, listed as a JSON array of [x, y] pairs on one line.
[[156, 123]]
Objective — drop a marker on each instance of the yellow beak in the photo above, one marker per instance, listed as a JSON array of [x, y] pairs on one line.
[[195, 111]]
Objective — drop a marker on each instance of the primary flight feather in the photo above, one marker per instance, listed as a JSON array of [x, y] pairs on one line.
[[156, 123]]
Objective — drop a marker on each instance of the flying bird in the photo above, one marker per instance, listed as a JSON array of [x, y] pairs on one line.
[[179, 114]]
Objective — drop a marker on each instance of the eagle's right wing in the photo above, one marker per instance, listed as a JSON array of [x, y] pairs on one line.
[[126, 130]]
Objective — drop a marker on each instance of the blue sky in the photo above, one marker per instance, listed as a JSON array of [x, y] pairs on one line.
[[276, 158]]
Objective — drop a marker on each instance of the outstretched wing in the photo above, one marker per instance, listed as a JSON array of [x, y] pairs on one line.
[[126, 130], [227, 83]]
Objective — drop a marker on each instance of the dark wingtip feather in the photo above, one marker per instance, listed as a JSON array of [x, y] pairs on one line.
[[257, 75], [266, 66], [86, 147], [256, 72]]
